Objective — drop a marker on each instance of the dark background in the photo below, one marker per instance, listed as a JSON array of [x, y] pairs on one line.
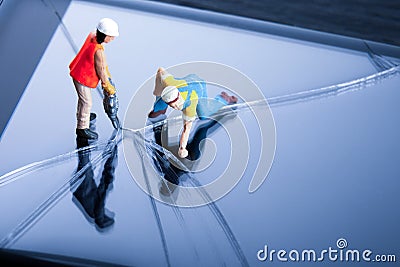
[[374, 20]]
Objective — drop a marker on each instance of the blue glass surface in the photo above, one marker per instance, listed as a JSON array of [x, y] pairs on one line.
[[335, 172]]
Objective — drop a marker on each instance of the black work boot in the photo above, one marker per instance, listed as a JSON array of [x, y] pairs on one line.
[[86, 133]]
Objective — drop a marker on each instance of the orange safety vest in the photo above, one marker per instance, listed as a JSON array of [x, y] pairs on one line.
[[82, 68]]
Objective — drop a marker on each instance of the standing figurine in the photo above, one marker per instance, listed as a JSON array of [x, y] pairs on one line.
[[88, 68]]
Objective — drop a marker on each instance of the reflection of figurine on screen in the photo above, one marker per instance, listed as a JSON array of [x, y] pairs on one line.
[[88, 196], [168, 170]]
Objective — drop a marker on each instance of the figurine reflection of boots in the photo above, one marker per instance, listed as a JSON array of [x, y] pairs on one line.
[[87, 188], [85, 193], [101, 219]]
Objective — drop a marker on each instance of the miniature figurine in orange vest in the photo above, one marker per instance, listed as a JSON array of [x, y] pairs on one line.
[[88, 68]]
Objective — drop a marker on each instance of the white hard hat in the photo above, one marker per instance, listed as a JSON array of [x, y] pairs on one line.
[[108, 27], [169, 94]]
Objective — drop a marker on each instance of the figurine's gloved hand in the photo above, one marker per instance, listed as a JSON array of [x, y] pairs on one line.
[[182, 152], [111, 105], [112, 83], [109, 87]]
